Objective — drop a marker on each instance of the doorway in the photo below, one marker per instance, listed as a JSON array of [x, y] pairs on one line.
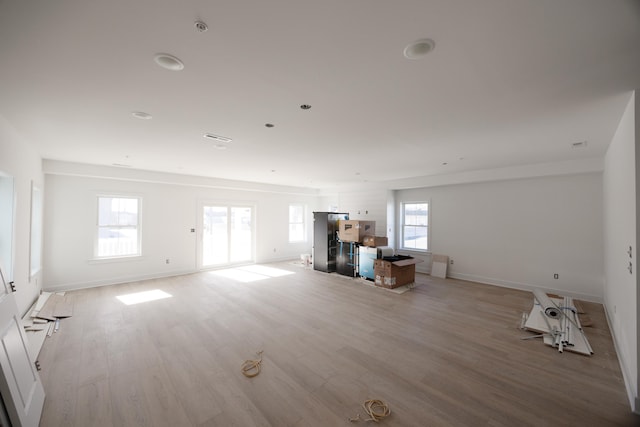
[[227, 235]]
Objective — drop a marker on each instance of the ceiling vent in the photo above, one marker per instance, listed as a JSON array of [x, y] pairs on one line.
[[581, 144], [217, 137]]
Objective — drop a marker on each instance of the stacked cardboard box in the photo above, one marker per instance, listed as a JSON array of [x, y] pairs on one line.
[[355, 230], [375, 241]]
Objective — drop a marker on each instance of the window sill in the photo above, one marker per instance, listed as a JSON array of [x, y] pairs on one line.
[[128, 258], [416, 251]]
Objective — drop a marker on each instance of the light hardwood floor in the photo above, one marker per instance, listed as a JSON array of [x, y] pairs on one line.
[[447, 353]]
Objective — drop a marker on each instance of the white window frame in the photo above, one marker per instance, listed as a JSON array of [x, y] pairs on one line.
[[137, 227], [403, 225], [303, 222]]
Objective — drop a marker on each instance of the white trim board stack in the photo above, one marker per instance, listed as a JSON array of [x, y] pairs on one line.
[[556, 319], [43, 319]]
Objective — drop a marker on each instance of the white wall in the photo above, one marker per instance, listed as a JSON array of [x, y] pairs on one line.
[[620, 230], [169, 212], [366, 205], [518, 233], [18, 160]]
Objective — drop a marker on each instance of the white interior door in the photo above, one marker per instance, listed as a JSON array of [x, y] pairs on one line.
[[20, 386]]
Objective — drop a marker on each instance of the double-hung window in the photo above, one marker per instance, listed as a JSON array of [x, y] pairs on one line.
[[415, 226], [296, 223], [118, 227]]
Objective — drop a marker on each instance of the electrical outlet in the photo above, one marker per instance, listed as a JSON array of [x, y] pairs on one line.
[[451, 262], [556, 276], [167, 261]]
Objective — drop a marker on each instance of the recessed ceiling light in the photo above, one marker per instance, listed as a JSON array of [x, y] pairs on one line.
[[419, 48], [217, 137], [201, 26], [141, 115], [168, 62]]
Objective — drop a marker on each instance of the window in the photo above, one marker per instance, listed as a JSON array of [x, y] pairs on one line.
[[296, 223], [118, 227], [415, 226]]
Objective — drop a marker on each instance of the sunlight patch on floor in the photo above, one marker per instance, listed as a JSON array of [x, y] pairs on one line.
[[146, 296], [251, 273]]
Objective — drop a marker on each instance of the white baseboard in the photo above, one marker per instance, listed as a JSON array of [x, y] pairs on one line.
[[524, 286], [114, 281], [137, 278]]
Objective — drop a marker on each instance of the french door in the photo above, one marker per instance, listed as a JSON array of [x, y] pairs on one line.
[[226, 235]]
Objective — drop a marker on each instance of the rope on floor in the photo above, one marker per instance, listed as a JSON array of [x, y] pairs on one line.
[[251, 368], [375, 409]]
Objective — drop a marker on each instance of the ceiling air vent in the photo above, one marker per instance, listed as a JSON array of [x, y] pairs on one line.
[[581, 144], [217, 137]]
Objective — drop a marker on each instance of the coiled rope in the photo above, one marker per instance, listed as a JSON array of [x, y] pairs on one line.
[[375, 409], [251, 368]]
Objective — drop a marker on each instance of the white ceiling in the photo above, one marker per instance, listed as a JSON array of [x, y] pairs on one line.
[[510, 82]]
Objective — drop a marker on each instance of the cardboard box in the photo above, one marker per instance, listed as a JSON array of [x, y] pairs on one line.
[[392, 272], [354, 230], [373, 241]]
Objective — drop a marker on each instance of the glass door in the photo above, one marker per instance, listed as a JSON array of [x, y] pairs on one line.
[[227, 235]]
